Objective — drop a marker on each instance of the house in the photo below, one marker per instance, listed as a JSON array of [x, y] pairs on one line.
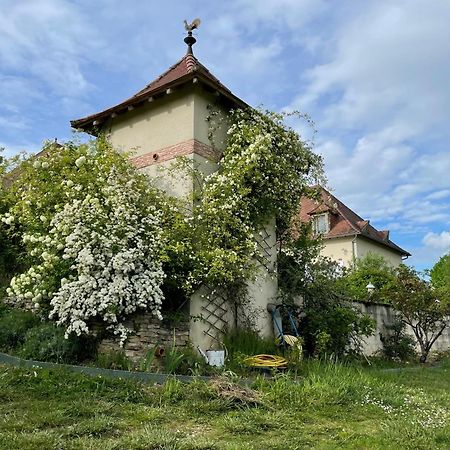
[[346, 236], [167, 119]]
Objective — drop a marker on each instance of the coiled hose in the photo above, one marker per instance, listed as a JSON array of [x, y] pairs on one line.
[[266, 361]]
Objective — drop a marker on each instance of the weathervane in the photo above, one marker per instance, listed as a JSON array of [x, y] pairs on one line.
[[189, 39]]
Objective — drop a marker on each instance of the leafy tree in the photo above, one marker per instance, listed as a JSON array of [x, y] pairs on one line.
[[440, 273], [423, 308], [374, 269]]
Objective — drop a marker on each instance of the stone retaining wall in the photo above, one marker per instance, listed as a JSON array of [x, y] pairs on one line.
[[149, 333]]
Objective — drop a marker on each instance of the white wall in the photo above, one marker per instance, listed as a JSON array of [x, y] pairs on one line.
[[365, 246], [166, 121], [339, 249]]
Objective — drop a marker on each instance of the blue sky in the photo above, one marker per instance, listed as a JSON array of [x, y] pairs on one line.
[[373, 75]]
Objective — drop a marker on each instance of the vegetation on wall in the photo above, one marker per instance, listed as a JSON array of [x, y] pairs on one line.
[[311, 286], [101, 243]]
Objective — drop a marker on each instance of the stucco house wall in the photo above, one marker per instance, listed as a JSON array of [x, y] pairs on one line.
[[364, 246], [176, 125], [339, 249], [345, 249]]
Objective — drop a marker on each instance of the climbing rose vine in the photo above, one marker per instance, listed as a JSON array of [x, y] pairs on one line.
[[92, 232], [264, 170]]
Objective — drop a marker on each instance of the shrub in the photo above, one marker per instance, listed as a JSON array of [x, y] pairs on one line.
[[328, 323], [46, 342], [14, 324], [396, 343]]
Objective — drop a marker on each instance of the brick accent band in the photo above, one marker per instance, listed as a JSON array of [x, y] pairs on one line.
[[181, 149]]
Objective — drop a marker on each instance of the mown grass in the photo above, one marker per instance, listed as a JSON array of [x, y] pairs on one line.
[[326, 406]]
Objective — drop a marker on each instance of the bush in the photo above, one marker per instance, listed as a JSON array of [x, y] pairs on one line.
[[396, 343], [46, 342], [14, 324]]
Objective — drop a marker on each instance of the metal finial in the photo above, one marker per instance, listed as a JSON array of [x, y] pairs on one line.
[[189, 39]]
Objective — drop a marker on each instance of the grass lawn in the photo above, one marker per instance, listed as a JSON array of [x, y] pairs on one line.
[[328, 406]]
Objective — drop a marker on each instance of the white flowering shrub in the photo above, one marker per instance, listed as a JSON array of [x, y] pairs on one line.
[[92, 231]]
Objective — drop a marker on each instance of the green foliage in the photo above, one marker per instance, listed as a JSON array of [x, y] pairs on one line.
[[46, 342], [397, 344], [146, 363], [89, 223], [248, 342], [11, 251], [372, 269], [440, 273], [328, 323], [114, 359], [263, 171], [173, 359], [329, 406], [423, 308], [14, 324]]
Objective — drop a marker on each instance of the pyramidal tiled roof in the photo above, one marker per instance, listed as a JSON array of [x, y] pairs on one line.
[[185, 70], [344, 221]]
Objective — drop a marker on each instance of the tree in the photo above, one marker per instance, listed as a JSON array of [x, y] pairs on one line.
[[10, 247], [372, 269], [421, 307], [440, 273]]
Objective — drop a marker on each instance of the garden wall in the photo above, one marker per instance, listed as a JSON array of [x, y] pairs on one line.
[[385, 315], [149, 332]]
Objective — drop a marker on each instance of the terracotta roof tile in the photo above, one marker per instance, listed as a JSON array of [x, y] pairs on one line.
[[344, 221], [183, 71]]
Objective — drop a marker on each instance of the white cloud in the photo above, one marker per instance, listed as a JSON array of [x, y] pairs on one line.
[[440, 241]]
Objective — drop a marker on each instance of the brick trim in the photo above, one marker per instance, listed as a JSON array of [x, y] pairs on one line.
[[182, 149]]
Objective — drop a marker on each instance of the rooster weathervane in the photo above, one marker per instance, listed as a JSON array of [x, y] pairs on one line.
[[189, 39]]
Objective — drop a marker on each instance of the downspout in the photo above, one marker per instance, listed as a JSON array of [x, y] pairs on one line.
[[354, 249]]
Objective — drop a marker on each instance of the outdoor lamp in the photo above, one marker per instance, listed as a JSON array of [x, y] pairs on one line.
[[370, 288]]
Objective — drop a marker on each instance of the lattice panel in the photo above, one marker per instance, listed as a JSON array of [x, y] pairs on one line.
[[215, 308], [264, 252]]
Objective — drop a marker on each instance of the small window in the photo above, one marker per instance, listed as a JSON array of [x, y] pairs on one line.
[[320, 224]]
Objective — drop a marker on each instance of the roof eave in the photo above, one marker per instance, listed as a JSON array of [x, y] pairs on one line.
[[87, 123], [392, 246]]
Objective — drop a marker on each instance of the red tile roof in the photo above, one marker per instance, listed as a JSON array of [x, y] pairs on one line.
[[185, 70], [344, 221]]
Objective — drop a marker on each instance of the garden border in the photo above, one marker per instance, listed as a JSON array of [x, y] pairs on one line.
[[156, 378]]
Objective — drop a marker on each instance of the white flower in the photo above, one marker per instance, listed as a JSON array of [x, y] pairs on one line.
[[70, 182], [80, 161], [37, 164], [45, 165]]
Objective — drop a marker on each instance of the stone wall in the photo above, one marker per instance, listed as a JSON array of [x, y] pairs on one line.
[[385, 315], [148, 334]]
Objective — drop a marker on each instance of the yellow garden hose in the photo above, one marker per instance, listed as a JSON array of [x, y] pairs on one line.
[[266, 361]]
